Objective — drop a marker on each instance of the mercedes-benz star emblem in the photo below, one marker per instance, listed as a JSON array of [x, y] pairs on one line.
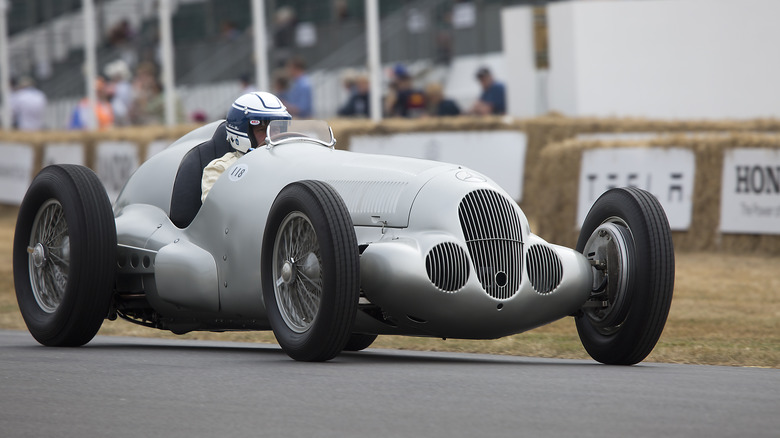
[[465, 175]]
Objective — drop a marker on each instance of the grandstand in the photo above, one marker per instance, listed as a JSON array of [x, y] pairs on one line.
[[440, 40]]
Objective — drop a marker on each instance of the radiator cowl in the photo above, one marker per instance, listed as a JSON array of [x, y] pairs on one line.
[[491, 228]]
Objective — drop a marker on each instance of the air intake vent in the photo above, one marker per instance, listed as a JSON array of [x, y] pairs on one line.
[[448, 266], [544, 268], [492, 231]]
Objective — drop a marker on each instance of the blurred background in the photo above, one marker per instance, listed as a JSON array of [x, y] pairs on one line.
[[436, 41], [646, 58]]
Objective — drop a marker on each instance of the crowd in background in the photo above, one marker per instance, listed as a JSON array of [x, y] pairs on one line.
[[403, 98], [130, 92]]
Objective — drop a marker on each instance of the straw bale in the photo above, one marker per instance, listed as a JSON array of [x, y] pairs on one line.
[[345, 129], [554, 205]]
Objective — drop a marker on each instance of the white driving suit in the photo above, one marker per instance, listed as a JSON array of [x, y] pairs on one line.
[[214, 169]]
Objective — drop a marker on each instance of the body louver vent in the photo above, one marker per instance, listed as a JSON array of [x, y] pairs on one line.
[[492, 231], [448, 266], [544, 268]]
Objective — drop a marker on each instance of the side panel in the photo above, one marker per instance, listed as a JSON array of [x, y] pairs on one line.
[[186, 275]]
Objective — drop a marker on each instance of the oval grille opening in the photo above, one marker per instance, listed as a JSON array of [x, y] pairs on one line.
[[448, 266], [544, 268], [493, 236]]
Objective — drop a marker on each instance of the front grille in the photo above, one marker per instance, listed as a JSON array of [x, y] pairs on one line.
[[492, 231], [448, 266], [544, 268]]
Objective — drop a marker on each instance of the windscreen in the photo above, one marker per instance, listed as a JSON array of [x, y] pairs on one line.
[[285, 131]]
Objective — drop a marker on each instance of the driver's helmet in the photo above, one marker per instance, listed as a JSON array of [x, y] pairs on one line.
[[249, 110]]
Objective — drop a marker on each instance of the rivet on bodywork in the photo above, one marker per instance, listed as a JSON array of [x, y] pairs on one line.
[[176, 241], [225, 284], [226, 230], [224, 257]]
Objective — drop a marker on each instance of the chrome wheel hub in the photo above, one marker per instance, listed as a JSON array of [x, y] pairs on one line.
[[288, 272], [38, 255]]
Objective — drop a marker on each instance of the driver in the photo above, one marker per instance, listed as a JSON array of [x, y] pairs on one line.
[[246, 125]]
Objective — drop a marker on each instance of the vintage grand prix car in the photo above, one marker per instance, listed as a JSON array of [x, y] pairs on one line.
[[330, 248]]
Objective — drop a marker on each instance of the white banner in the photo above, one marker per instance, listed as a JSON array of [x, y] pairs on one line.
[[116, 161], [666, 173], [63, 153], [750, 191], [16, 169], [499, 155]]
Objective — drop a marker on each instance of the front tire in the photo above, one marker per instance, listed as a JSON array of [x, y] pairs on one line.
[[311, 271], [64, 256], [627, 233]]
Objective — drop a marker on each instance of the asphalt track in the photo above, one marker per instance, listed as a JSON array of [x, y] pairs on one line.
[[138, 387]]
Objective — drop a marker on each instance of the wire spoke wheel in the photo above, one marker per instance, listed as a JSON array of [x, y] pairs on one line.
[[298, 287], [49, 256], [310, 271]]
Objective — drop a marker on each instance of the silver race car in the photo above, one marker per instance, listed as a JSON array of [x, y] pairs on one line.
[[329, 249]]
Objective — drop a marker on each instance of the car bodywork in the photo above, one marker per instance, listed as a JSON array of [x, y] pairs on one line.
[[444, 251], [329, 249]]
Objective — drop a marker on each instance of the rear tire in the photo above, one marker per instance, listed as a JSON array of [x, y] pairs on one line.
[[311, 271], [64, 256], [628, 230]]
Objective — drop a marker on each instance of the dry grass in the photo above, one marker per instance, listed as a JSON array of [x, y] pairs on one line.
[[726, 311]]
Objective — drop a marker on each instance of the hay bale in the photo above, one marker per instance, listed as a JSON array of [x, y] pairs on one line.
[[554, 207], [345, 129]]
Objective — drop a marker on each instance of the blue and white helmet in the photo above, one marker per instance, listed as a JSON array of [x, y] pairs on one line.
[[249, 110]]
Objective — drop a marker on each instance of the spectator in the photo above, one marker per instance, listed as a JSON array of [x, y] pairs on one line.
[[144, 89], [246, 85], [154, 109], [122, 33], [284, 26], [437, 104], [121, 37], [358, 103], [341, 10], [229, 31], [281, 85], [121, 90], [84, 116], [28, 105], [199, 116], [404, 100], [348, 80], [299, 96], [493, 97]]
